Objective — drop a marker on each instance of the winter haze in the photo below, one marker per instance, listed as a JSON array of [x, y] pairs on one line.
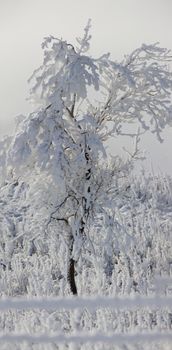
[[85, 241], [117, 27]]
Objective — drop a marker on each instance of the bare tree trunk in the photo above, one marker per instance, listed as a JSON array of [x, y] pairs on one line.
[[71, 276], [71, 270]]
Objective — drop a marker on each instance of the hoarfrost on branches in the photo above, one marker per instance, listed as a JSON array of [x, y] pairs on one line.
[[72, 196], [74, 219]]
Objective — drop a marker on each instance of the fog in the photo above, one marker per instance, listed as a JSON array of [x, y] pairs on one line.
[[118, 26]]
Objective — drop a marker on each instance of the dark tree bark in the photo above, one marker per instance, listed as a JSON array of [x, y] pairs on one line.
[[71, 276], [71, 270]]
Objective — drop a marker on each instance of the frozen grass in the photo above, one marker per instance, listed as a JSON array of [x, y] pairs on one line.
[[121, 276]]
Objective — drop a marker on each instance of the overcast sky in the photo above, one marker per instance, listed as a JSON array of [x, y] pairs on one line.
[[118, 26]]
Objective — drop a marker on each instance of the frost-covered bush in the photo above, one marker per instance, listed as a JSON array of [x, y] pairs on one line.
[[118, 259]]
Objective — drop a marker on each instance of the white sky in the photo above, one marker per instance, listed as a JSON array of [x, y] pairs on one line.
[[118, 26]]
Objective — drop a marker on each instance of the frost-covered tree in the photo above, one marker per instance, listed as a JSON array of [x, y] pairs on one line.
[[57, 156]]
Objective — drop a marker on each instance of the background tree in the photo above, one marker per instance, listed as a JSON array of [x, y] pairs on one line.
[[58, 153]]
